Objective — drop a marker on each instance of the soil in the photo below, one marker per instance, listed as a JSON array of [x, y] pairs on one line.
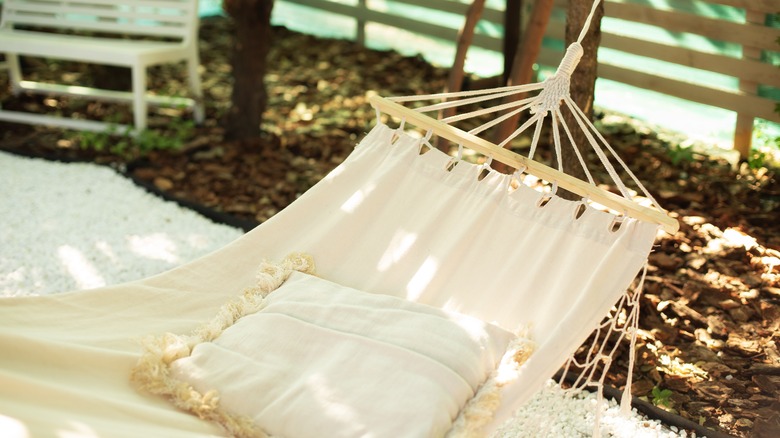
[[708, 348]]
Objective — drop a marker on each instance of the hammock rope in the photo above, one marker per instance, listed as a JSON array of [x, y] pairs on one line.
[[553, 96]]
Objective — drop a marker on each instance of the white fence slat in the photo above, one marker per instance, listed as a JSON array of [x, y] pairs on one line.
[[747, 34], [488, 14], [733, 100], [409, 24], [764, 6], [749, 69]]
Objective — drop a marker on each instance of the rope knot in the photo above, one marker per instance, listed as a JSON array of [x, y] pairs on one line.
[[556, 88]]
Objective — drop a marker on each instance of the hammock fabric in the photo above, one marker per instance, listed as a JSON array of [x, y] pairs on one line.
[[397, 218], [388, 220]]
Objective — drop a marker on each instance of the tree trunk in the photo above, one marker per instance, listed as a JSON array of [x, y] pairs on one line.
[[252, 21], [583, 83], [523, 63], [513, 25], [465, 36], [455, 80]]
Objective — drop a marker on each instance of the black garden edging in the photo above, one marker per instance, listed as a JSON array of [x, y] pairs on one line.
[[210, 213], [650, 410], [126, 170]]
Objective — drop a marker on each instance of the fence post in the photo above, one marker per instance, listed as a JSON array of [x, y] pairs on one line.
[[360, 36], [743, 131]]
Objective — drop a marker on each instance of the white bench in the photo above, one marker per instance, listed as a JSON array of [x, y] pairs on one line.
[[132, 33]]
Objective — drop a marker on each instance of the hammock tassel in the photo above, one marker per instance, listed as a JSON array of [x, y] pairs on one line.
[[632, 329]]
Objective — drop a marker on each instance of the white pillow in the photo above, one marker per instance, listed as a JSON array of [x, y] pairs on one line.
[[316, 359]]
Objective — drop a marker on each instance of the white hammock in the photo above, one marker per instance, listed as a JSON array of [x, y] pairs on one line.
[[387, 221]]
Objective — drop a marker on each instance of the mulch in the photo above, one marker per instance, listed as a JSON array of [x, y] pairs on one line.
[[708, 346]]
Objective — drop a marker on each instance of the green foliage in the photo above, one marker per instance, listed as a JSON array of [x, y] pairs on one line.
[[777, 105], [128, 146], [662, 397], [178, 132], [98, 141], [757, 159], [679, 154], [765, 135]]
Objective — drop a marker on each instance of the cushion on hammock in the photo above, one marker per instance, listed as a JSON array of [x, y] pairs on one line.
[[320, 359]]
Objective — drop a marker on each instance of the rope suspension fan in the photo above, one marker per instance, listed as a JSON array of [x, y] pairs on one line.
[[546, 107]]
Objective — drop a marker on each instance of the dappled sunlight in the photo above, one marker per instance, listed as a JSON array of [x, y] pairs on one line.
[[334, 173], [357, 198], [422, 278], [157, 246], [197, 241], [105, 248], [12, 282], [719, 242], [674, 366], [13, 428], [736, 238], [322, 392], [78, 430], [401, 243], [474, 328], [83, 272], [669, 361]]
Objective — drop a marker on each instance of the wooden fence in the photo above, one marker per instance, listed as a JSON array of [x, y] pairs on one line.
[[749, 68]]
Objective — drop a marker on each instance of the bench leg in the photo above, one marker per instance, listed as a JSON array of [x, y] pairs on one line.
[[139, 98], [14, 72], [193, 78]]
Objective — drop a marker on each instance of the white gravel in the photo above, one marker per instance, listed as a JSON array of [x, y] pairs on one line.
[[554, 414], [77, 226]]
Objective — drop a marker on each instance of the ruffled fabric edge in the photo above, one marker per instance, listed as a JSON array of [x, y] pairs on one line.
[[152, 372], [481, 408]]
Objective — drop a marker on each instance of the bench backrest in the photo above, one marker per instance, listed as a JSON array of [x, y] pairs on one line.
[[159, 18]]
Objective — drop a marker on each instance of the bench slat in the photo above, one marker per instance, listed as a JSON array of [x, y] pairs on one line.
[[184, 5], [163, 18], [119, 28], [113, 14]]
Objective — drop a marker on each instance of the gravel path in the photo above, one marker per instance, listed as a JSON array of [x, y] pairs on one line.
[[77, 226]]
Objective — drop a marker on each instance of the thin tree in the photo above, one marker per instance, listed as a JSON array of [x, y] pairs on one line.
[[252, 42], [455, 80], [583, 81], [527, 52]]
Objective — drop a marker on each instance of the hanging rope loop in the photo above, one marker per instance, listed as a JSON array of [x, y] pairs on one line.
[[570, 59]]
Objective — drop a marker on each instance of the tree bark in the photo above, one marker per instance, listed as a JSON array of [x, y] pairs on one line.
[[513, 26], [252, 21], [523, 63], [455, 80], [465, 36], [583, 84]]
